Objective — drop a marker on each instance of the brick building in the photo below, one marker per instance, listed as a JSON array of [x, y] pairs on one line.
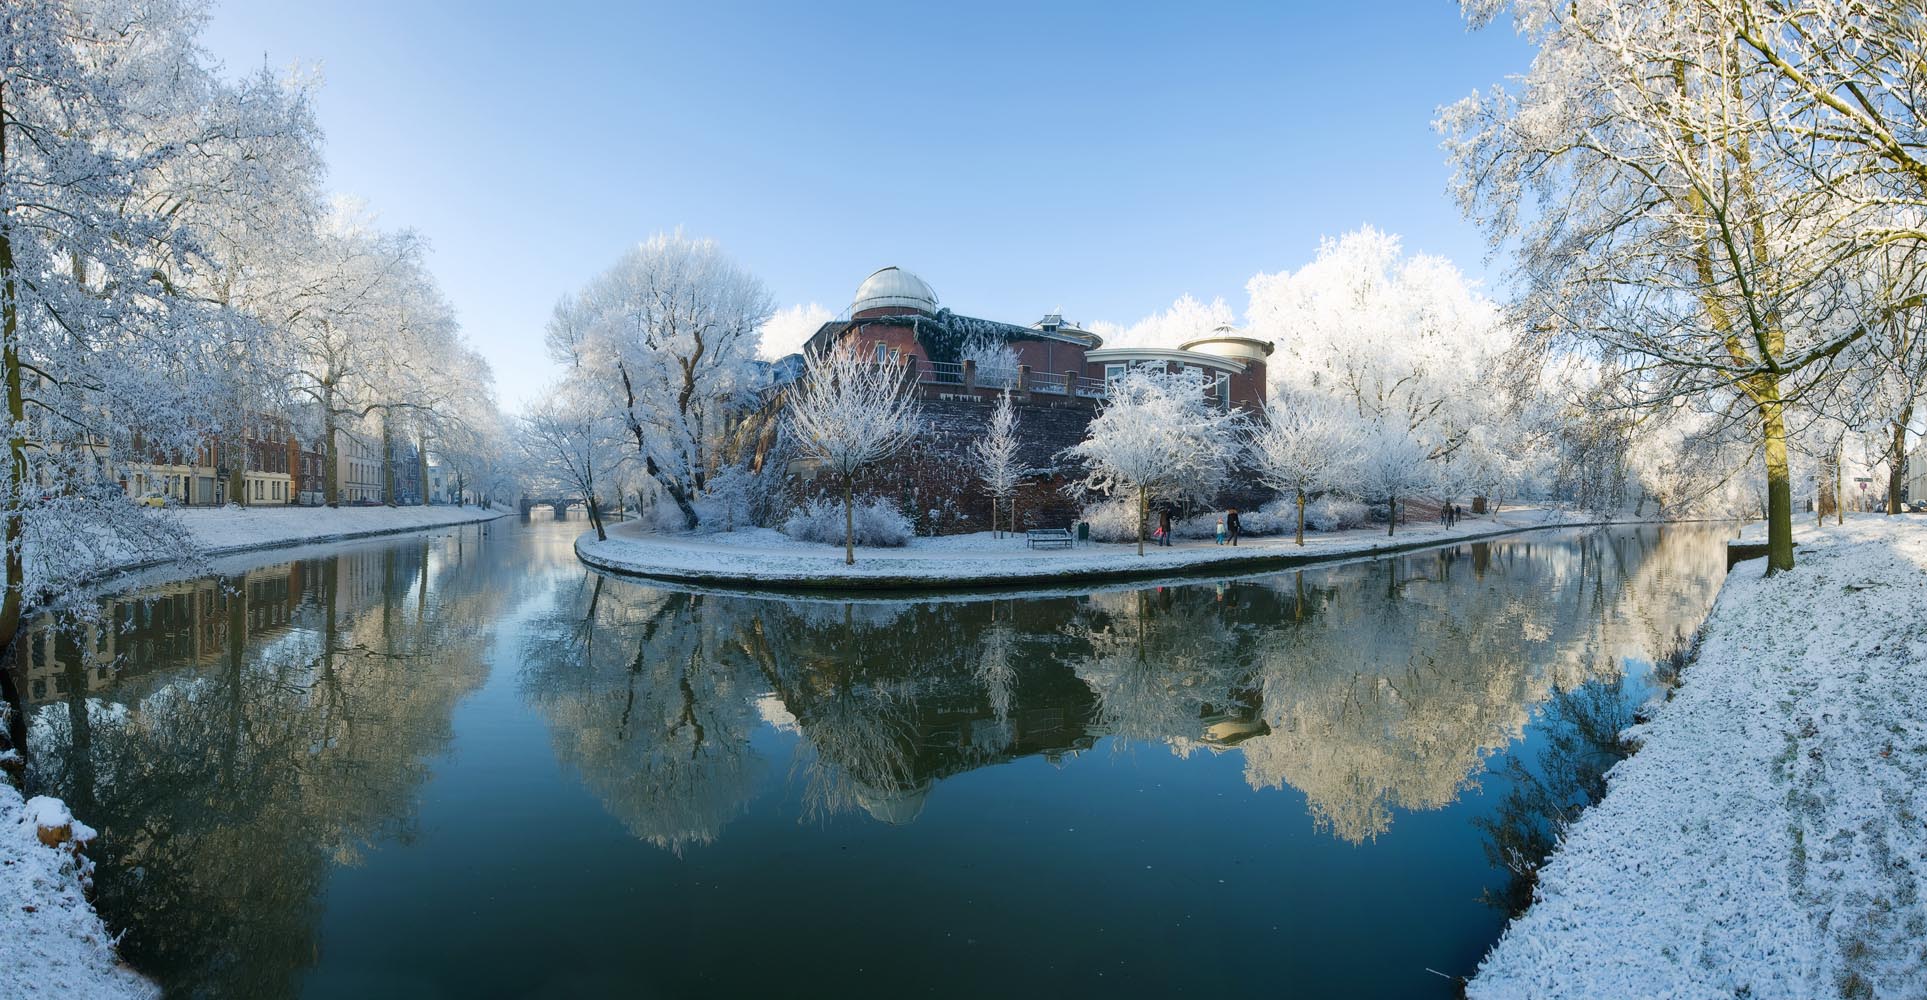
[[1058, 383]]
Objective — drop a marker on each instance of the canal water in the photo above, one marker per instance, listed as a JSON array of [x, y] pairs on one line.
[[462, 765]]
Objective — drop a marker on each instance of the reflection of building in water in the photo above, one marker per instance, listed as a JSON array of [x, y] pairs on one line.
[[263, 729], [187, 622], [1371, 688]]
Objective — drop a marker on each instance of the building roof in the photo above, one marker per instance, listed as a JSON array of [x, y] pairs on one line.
[[894, 288], [1125, 355]]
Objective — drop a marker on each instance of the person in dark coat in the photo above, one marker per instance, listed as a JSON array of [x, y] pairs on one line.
[[1231, 524], [1164, 525]]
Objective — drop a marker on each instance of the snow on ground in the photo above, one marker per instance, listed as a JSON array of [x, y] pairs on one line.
[[1769, 838], [51, 942], [220, 530], [763, 556]]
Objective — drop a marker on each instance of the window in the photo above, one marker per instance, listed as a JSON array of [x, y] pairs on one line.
[[883, 352], [1113, 372]]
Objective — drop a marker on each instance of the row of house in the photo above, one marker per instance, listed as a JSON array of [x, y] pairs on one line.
[[280, 468]]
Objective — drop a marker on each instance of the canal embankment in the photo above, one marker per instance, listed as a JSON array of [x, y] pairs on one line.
[[765, 559], [1769, 836], [52, 943]]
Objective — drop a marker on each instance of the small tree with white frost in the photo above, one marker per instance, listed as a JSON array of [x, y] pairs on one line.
[[1158, 438], [996, 457], [1394, 466], [1306, 444], [847, 413]]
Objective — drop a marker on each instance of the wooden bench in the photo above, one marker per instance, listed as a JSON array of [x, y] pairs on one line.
[[1048, 538]]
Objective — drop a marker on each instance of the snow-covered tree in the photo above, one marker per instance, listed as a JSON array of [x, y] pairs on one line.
[[666, 336], [1688, 203], [995, 455], [570, 441], [118, 141], [1307, 443], [1395, 466], [1400, 338], [1159, 437], [847, 413], [1187, 319], [995, 360]]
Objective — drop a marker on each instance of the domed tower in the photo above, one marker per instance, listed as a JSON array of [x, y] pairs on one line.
[[1249, 387], [893, 291]]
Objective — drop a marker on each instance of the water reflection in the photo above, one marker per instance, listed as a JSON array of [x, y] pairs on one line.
[[245, 740], [1371, 688], [235, 737]]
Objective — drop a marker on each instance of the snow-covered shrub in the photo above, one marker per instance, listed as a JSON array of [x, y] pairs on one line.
[[878, 523], [1115, 520], [1334, 514], [1263, 521]]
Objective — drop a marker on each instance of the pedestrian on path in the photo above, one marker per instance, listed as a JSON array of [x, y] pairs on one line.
[[1164, 526], [1221, 531], [1231, 525]]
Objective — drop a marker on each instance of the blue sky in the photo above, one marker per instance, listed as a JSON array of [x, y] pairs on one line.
[[1099, 158]]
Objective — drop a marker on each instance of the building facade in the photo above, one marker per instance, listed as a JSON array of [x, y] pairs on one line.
[[1059, 379]]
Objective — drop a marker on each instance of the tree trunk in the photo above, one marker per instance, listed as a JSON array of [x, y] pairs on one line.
[[387, 456], [1143, 511], [1391, 516], [237, 473], [421, 461], [1897, 461], [15, 529], [1301, 517], [595, 519], [331, 450], [849, 525], [1840, 481], [1779, 483]]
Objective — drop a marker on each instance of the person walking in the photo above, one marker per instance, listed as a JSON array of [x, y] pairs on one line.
[[1220, 531], [1231, 525], [1164, 526]]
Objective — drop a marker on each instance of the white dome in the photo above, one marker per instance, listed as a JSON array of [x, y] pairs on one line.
[[894, 287]]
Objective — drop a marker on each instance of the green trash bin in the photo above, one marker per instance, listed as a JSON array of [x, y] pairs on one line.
[[1084, 532]]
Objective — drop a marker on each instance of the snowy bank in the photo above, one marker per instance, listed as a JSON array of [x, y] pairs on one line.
[[1769, 837], [218, 531], [764, 558], [51, 942]]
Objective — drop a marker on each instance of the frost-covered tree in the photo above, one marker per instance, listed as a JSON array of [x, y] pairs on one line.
[[847, 414], [571, 442], [117, 141], [995, 360], [1691, 203], [1396, 465], [995, 455], [1401, 338], [1187, 319], [1158, 438], [666, 336], [1307, 443]]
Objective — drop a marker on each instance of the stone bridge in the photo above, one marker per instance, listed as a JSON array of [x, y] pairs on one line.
[[560, 504]]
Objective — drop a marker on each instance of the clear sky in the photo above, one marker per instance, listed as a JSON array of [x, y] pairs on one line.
[[1098, 158]]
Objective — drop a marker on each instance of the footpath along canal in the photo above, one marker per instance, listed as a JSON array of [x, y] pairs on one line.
[[466, 765]]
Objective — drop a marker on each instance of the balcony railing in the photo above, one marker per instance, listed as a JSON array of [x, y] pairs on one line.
[[951, 373]]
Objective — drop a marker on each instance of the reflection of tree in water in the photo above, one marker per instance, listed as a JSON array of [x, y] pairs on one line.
[[1371, 687], [1168, 665], [646, 701], [1582, 729], [227, 779], [1422, 667]]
